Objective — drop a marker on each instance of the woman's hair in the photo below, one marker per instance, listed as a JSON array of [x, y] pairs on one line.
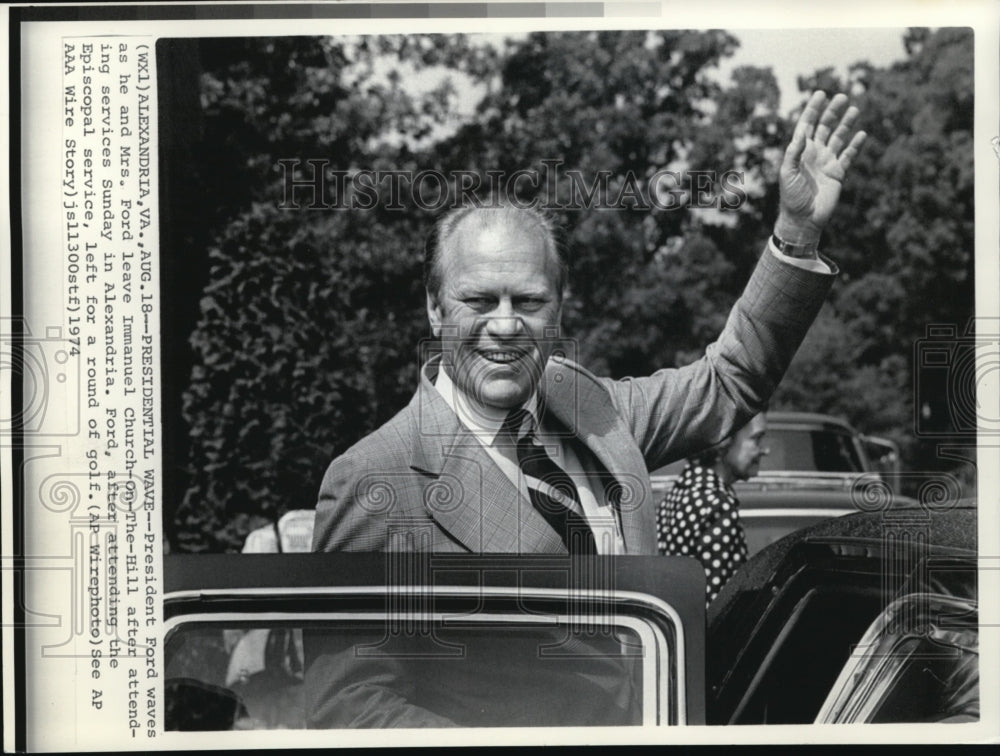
[[711, 455]]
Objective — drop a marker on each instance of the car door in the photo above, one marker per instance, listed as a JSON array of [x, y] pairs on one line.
[[404, 640]]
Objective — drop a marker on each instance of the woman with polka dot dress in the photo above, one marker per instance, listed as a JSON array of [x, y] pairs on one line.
[[700, 516]]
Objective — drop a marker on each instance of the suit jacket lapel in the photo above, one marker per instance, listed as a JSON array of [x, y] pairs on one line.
[[471, 498], [584, 408]]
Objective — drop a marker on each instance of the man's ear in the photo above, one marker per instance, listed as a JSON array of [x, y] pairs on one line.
[[434, 315]]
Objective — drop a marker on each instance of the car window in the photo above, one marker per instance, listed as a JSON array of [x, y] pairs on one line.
[[918, 662], [926, 681], [811, 450], [764, 526], [361, 671]]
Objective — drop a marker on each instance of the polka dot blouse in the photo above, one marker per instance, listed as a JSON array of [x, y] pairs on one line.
[[700, 518]]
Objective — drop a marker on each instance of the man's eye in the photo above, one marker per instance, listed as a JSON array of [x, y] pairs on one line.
[[530, 304], [478, 302]]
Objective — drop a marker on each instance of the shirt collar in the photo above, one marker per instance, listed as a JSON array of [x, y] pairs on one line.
[[483, 421]]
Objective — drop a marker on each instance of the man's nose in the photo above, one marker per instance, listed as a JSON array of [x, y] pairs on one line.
[[502, 322], [505, 326]]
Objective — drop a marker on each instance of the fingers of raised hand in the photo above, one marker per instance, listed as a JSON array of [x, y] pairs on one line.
[[830, 118], [804, 128], [828, 129], [839, 137], [811, 113], [851, 150]]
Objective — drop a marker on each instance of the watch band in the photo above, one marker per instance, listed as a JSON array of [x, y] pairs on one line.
[[801, 251]]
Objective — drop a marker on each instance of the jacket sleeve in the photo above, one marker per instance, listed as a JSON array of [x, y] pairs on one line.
[[343, 689], [677, 412], [339, 525], [363, 500]]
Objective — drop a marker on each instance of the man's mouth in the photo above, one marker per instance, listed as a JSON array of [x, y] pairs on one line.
[[502, 356]]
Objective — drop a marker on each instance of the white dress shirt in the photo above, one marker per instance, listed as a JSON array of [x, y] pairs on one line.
[[819, 265], [484, 424]]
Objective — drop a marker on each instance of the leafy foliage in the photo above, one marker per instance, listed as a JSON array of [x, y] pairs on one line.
[[904, 237], [309, 325]]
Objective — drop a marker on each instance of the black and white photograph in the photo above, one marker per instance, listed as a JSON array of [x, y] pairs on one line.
[[599, 200], [563, 379]]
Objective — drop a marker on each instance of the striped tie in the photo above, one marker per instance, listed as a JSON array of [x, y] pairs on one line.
[[550, 488]]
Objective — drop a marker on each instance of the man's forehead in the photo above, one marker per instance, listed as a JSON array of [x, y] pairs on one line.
[[511, 223], [496, 239]]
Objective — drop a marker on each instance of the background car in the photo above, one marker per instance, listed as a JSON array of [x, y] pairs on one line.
[[818, 468]]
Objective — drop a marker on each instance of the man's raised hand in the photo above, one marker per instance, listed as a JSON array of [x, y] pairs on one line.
[[814, 166]]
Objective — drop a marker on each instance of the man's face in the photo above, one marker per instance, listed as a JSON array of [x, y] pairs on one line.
[[498, 308], [742, 459]]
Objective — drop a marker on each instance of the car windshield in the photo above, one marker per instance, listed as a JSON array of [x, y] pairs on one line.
[[826, 450], [355, 672]]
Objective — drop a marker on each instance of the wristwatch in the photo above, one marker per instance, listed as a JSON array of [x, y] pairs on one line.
[[801, 251]]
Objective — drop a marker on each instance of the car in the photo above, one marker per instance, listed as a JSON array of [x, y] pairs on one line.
[[818, 467], [866, 618]]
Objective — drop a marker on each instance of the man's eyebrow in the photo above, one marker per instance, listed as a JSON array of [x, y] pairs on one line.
[[534, 293], [474, 291]]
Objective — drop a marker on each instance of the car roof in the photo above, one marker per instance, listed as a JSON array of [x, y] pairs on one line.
[[810, 419], [942, 530], [799, 498]]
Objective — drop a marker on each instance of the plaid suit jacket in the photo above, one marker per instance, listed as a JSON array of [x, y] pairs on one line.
[[422, 482]]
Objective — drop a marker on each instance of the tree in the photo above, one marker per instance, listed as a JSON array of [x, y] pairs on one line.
[[904, 239], [624, 106], [308, 322]]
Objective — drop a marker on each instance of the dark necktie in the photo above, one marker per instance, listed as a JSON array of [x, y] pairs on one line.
[[550, 488]]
